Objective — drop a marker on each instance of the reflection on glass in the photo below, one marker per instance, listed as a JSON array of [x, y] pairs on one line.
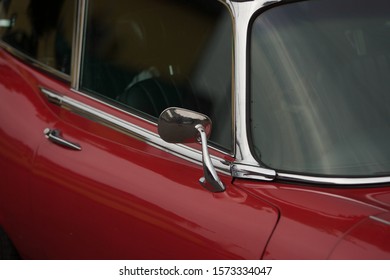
[[320, 88], [178, 125], [41, 29]]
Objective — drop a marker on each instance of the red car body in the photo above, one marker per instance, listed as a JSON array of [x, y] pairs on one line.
[[120, 197]]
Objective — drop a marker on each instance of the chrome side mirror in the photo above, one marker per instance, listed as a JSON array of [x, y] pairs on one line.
[[177, 125]]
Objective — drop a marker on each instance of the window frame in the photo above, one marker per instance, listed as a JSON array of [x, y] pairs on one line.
[[250, 167], [76, 76]]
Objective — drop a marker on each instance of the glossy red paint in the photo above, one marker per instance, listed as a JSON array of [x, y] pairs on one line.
[[325, 222], [369, 239], [18, 142], [134, 208]]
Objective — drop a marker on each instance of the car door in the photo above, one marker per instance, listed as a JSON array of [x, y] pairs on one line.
[[23, 41], [130, 200], [105, 185]]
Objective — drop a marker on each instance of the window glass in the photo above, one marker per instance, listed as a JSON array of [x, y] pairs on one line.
[[152, 54], [42, 29], [319, 90]]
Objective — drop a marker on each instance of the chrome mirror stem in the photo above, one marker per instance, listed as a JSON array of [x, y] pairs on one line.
[[211, 180], [178, 125]]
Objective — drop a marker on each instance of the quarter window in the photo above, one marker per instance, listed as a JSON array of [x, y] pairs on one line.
[[41, 29], [149, 55]]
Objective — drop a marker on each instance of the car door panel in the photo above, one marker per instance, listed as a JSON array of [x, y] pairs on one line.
[[120, 197], [125, 203]]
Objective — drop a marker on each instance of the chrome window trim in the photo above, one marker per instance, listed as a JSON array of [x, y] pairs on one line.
[[246, 166], [379, 220], [242, 13], [86, 95], [96, 99], [132, 130], [252, 172], [341, 181], [78, 41], [265, 174]]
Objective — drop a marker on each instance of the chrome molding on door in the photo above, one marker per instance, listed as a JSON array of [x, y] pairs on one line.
[[133, 130]]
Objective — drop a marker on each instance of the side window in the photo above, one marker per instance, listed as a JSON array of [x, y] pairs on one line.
[[152, 54], [41, 29]]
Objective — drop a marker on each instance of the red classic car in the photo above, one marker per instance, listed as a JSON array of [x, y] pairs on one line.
[[202, 129]]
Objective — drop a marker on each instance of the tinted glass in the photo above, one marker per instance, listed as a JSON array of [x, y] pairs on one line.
[[320, 87], [42, 29], [152, 54]]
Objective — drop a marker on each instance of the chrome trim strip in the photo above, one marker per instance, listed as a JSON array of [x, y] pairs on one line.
[[242, 13], [243, 171], [252, 172], [78, 41], [134, 115], [95, 99], [380, 220], [132, 130], [333, 180]]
